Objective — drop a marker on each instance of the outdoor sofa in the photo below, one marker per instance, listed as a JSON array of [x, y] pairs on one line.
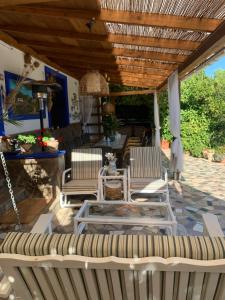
[[115, 267]]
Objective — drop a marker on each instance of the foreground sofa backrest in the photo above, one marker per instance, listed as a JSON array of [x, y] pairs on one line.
[[67, 266]]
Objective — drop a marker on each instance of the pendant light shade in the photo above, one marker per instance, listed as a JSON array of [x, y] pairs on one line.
[[93, 83]]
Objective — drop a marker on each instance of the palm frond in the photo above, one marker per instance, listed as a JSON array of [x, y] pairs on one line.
[[4, 117]]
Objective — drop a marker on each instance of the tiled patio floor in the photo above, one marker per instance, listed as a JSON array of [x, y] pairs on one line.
[[201, 189]]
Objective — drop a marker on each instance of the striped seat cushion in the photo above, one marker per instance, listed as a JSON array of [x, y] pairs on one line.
[[148, 184], [127, 246], [85, 163], [80, 185], [145, 162]]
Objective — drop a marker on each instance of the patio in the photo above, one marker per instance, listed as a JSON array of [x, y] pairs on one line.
[[194, 195], [60, 62]]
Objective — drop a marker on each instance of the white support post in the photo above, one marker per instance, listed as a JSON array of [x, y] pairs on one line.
[[156, 120], [174, 114]]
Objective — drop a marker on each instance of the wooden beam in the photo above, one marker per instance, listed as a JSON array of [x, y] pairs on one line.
[[111, 38], [97, 51], [212, 44], [156, 42], [8, 3], [127, 17], [153, 55], [123, 74], [139, 84], [141, 71], [118, 64], [13, 42], [147, 82], [129, 93]]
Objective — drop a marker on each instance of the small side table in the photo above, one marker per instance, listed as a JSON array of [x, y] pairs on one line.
[[104, 178]]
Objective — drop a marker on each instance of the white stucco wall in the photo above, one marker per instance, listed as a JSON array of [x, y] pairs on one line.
[[11, 60]]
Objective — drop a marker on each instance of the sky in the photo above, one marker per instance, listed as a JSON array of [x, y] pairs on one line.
[[219, 64]]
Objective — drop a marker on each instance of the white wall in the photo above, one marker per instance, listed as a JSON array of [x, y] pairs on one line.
[[11, 60]]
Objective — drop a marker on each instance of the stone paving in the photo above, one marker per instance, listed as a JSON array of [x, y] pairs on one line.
[[200, 190]]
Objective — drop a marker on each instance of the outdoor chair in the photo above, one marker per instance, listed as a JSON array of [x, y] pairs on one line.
[[84, 171], [113, 267], [146, 175]]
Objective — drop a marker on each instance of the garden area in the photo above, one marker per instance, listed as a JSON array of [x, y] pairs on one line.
[[202, 115]]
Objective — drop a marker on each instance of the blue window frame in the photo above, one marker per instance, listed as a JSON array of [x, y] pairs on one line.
[[26, 107]]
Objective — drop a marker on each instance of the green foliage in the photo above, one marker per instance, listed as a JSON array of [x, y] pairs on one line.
[[136, 100], [110, 125], [26, 139], [4, 117], [195, 132], [202, 112]]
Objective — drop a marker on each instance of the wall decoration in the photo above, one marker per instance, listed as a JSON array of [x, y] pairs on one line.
[[74, 107], [25, 107], [29, 66]]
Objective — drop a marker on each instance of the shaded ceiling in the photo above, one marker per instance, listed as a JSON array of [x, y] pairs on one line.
[[135, 43]]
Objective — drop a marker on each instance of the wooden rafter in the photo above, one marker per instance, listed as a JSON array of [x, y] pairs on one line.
[[13, 42], [116, 64], [125, 17], [65, 48], [212, 44], [168, 57], [129, 93], [111, 38], [8, 3], [148, 84], [121, 74]]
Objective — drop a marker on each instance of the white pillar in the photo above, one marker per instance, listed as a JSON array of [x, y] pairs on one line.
[[156, 120], [174, 118]]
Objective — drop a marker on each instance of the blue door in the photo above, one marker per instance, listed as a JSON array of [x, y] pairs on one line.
[[59, 114], [2, 129]]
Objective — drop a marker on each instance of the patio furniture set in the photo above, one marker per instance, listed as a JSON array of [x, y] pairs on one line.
[[145, 175]]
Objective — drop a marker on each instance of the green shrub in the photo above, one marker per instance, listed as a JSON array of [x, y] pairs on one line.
[[195, 132], [26, 138]]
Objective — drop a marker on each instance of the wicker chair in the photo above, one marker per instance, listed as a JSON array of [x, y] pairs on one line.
[[145, 173], [84, 171]]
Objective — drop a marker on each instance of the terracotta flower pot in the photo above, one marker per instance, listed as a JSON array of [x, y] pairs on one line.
[[108, 108], [52, 146], [165, 144], [26, 148]]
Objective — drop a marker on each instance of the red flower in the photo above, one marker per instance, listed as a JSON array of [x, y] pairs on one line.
[[39, 138]]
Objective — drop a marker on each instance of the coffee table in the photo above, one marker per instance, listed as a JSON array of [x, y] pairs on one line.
[[150, 214]]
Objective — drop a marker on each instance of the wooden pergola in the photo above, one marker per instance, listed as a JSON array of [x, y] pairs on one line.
[[136, 43]]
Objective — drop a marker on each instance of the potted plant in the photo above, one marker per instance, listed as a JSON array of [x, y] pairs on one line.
[[219, 155], [208, 154], [166, 136], [110, 126], [26, 141], [48, 141]]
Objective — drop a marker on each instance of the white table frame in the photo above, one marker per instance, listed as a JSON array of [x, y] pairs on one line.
[[103, 178], [80, 222]]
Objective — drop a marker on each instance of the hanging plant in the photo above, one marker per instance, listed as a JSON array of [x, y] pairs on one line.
[[29, 67]]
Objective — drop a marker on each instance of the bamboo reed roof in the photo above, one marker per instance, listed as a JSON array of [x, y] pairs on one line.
[[136, 43]]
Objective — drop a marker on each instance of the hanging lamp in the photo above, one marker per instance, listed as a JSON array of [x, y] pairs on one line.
[[93, 83]]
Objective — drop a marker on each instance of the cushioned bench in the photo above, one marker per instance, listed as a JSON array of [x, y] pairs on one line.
[[68, 266]]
